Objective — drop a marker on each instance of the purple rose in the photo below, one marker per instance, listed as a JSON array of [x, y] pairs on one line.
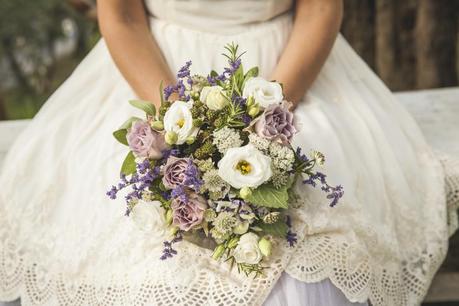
[[276, 123], [175, 172], [144, 141], [188, 214]]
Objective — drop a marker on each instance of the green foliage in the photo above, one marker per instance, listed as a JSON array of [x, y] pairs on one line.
[[146, 106], [120, 135], [278, 229], [129, 166], [29, 31], [267, 195]]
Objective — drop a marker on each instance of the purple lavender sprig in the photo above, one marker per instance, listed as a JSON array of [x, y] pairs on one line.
[[291, 236], [305, 165], [334, 193], [192, 180], [234, 62], [169, 251], [140, 182], [180, 88]]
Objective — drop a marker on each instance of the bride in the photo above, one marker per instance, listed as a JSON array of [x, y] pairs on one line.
[[62, 241]]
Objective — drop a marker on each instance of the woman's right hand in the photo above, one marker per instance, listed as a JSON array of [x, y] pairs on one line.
[[125, 27]]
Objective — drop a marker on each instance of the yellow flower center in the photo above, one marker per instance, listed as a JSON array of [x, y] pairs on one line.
[[244, 167], [181, 122]]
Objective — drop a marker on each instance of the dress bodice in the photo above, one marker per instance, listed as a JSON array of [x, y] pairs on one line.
[[217, 15]]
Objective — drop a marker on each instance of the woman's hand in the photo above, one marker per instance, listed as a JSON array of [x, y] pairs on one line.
[[125, 28], [316, 25]]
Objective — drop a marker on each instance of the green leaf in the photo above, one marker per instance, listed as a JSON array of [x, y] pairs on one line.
[[253, 72], [278, 229], [161, 92], [120, 135], [268, 196], [146, 106], [129, 166], [239, 79], [128, 123]]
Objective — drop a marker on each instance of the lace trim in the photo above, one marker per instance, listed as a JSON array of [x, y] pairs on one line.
[[368, 271], [451, 168], [190, 279], [360, 270]]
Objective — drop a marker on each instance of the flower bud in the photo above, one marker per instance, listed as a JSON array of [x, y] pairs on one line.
[[254, 110], [195, 95], [190, 140], [271, 218], [171, 138], [233, 243], [250, 101], [241, 228], [169, 216], [174, 230], [157, 125], [218, 252], [197, 122], [245, 192], [265, 247]]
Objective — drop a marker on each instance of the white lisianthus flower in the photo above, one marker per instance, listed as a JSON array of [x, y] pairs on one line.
[[213, 97], [178, 120], [247, 250], [245, 167], [264, 92], [149, 217]]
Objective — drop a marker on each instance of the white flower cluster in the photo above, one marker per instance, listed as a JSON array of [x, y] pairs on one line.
[[279, 178], [282, 156], [213, 183], [226, 138], [260, 143], [223, 226]]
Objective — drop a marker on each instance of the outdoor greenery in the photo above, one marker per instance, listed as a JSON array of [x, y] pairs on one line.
[[31, 64]]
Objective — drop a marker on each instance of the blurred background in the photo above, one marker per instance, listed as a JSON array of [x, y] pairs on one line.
[[411, 44]]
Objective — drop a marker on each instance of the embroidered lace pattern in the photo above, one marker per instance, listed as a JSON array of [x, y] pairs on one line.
[[354, 260]]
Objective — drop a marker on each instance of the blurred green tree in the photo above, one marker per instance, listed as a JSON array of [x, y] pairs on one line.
[[29, 31]]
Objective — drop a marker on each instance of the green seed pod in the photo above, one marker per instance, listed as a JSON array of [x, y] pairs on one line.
[[218, 252], [171, 138], [265, 247], [157, 125]]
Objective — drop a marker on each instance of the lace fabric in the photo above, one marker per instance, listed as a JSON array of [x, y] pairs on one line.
[[193, 278], [65, 245]]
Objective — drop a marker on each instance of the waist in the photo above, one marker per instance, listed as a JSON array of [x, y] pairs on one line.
[[218, 27], [221, 17]]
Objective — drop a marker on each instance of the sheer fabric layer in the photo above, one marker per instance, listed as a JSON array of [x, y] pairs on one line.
[[65, 245]]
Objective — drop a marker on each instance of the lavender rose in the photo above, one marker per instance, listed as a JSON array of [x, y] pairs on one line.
[[188, 214], [276, 123], [144, 141], [175, 172]]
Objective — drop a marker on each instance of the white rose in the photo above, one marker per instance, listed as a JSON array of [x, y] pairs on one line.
[[247, 250], [245, 167], [264, 92], [149, 217], [213, 97], [178, 119]]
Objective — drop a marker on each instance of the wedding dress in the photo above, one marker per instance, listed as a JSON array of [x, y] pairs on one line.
[[62, 241]]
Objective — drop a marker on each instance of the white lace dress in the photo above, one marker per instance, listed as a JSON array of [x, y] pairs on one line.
[[62, 241]]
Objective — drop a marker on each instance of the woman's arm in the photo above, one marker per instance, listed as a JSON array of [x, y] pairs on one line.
[[125, 28], [315, 28]]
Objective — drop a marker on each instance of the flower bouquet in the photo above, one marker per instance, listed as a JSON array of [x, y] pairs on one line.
[[217, 164]]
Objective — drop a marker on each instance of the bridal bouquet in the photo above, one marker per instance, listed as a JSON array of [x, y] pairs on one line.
[[216, 165]]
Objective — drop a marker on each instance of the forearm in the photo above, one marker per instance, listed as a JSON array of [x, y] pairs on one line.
[[125, 28], [315, 28]]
